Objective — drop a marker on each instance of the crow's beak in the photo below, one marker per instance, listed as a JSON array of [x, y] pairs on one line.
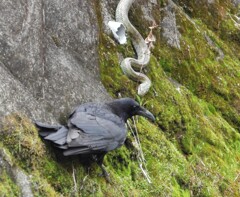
[[145, 113]]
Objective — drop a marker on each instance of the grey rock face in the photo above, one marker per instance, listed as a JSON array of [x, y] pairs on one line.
[[21, 42], [48, 56], [215, 47], [147, 8], [108, 13], [14, 97], [18, 176], [23, 182], [236, 2], [169, 26]]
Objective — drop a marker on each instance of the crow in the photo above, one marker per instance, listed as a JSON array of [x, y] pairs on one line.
[[94, 128]]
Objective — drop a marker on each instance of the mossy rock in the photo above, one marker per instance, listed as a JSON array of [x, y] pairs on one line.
[[20, 136]]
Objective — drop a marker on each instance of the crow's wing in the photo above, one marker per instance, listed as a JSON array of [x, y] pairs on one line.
[[93, 133]]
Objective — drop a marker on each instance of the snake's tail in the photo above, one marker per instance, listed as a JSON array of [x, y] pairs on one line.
[[144, 86], [126, 66], [129, 65]]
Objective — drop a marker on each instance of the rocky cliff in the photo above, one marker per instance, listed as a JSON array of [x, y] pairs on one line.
[[55, 55]]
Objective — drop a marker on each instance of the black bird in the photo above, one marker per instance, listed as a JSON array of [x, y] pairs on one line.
[[94, 128]]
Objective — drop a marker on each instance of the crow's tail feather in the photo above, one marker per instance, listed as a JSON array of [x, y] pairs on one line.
[[55, 133], [45, 129]]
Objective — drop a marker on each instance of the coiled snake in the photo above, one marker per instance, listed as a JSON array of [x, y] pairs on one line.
[[142, 50]]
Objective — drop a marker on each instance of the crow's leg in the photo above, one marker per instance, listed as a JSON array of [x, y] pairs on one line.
[[99, 160]]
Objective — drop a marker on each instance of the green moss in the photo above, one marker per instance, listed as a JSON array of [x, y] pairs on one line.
[[56, 40], [20, 136], [41, 187], [192, 156], [7, 186], [58, 176], [193, 148], [111, 73]]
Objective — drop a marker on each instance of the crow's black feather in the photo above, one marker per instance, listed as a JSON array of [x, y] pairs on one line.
[[94, 128]]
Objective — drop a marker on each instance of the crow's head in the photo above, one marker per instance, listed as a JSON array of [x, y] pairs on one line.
[[127, 107]]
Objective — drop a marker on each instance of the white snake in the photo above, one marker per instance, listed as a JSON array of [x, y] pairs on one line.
[[142, 50]]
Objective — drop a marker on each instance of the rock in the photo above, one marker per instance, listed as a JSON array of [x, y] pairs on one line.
[[22, 180], [18, 176], [147, 9], [236, 2], [48, 57], [108, 14], [215, 47], [169, 26], [14, 97]]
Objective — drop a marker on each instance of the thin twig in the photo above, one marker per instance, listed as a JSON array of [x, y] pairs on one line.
[[141, 159], [202, 163], [237, 177], [138, 140], [145, 174], [84, 179], [74, 179]]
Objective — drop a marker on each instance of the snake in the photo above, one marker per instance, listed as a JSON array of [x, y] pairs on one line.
[[132, 67]]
